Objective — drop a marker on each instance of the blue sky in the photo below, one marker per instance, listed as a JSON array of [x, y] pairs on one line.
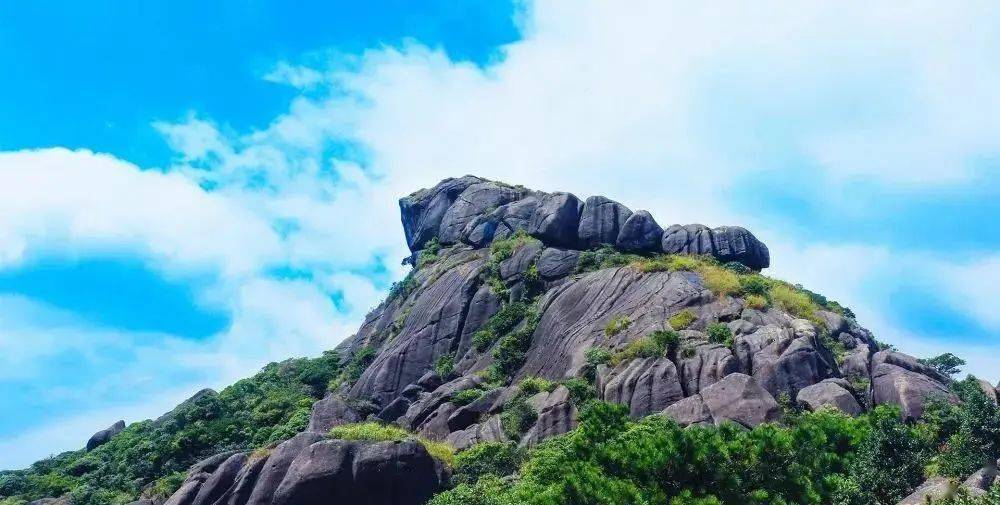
[[191, 191]]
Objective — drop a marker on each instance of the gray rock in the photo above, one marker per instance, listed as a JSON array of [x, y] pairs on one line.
[[102, 437], [980, 482], [376, 473], [892, 384], [646, 385], [933, 489], [423, 211], [727, 243], [556, 220], [829, 393], [738, 397], [196, 476], [469, 414], [221, 480], [702, 363], [601, 221], [690, 411], [640, 233], [555, 263], [331, 411], [276, 467], [909, 363], [557, 415], [476, 200], [486, 431], [520, 261]]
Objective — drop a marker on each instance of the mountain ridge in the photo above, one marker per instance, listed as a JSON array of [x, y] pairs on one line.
[[522, 309]]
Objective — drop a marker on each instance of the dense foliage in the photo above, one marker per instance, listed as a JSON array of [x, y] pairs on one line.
[[270, 406], [821, 457]]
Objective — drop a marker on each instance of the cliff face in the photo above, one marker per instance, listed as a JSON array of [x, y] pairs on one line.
[[511, 286]]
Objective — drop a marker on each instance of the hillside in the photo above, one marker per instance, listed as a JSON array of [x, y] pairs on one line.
[[547, 349]]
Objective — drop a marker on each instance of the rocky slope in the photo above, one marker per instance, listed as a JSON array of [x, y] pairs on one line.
[[510, 286]]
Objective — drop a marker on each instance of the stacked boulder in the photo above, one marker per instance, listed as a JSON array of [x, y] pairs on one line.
[[474, 211]]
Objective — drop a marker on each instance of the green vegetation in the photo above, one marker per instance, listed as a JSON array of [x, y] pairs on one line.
[[517, 416], [655, 345], [720, 334], [532, 385], [357, 365], [379, 432], [594, 357], [509, 354], [270, 406], [682, 320], [794, 301], [604, 257], [402, 289], [617, 324], [946, 363], [499, 325], [445, 366], [429, 254], [488, 458], [467, 396], [823, 457], [580, 390]]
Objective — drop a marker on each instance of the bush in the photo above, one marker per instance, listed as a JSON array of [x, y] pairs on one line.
[[594, 356], [946, 363], [444, 367], [429, 254], [617, 324], [501, 323], [720, 334], [359, 363], [794, 302], [377, 432], [719, 281], [467, 396], [756, 302], [581, 391], [487, 458], [655, 345], [754, 285], [532, 385], [682, 320], [503, 249], [604, 257], [509, 353], [517, 417], [737, 267]]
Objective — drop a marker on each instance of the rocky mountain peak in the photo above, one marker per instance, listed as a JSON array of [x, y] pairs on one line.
[[474, 211]]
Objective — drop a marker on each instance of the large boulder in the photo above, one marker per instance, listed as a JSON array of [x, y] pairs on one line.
[[726, 243], [476, 200], [555, 263], [690, 411], [221, 480], [332, 411], [640, 233], [830, 393], [646, 385], [556, 220], [556, 415], [102, 437], [276, 466], [423, 211], [374, 473], [601, 221], [910, 390], [738, 397]]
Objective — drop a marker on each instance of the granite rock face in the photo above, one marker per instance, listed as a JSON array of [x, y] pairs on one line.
[[474, 211]]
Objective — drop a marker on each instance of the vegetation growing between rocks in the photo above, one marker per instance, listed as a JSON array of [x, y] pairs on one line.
[[657, 344], [682, 320], [378, 432]]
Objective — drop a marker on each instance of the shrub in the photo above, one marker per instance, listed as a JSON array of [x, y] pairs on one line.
[[946, 363], [444, 366], [581, 390], [487, 458], [720, 334], [509, 353], [756, 302], [794, 302], [517, 417], [688, 352], [359, 363], [501, 323], [604, 257], [720, 281], [377, 432], [503, 249], [467, 396], [654, 345], [682, 320], [685, 263], [617, 324], [737, 267], [403, 288], [429, 254], [754, 285], [532, 385], [594, 356]]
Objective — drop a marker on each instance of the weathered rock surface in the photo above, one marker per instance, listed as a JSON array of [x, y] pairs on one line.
[[738, 397], [690, 411], [601, 221], [830, 393], [646, 385], [102, 437], [331, 411], [901, 380], [640, 233]]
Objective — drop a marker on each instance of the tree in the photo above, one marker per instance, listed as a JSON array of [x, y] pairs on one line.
[[946, 363]]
